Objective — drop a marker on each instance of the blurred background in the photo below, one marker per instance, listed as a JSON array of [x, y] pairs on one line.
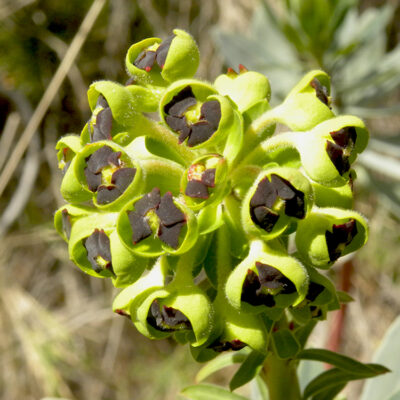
[[58, 335]]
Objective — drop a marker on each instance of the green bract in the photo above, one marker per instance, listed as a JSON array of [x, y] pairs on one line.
[[246, 89], [67, 147], [192, 213], [329, 233], [307, 104]]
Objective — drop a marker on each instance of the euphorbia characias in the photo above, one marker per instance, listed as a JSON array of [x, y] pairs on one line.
[[191, 213]]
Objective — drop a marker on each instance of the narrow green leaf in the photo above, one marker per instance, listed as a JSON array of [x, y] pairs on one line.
[[248, 370], [307, 371], [285, 343], [388, 354], [304, 332], [209, 392], [334, 377], [223, 361], [344, 297], [330, 393], [342, 362]]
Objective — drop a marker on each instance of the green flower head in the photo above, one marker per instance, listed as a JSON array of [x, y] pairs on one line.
[[213, 225]]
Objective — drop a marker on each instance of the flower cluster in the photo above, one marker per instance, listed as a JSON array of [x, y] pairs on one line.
[[214, 227]]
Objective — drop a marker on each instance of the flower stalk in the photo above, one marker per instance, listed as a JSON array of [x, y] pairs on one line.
[[281, 378]]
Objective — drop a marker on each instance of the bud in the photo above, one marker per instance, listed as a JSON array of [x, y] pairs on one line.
[[156, 62], [246, 88]]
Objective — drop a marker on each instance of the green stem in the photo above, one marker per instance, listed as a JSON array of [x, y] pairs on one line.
[[162, 173], [163, 135], [281, 378], [261, 124], [260, 154], [280, 375], [256, 132], [224, 260], [184, 269]]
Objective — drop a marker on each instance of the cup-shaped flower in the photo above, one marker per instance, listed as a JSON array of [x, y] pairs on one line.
[[329, 149], [135, 293], [307, 104], [71, 188], [205, 181], [96, 248], [279, 197], [321, 290], [184, 310], [114, 111], [202, 118], [329, 233], [267, 278], [233, 331], [153, 224], [67, 147], [339, 196], [245, 88], [66, 215], [158, 62], [104, 172], [321, 296]]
